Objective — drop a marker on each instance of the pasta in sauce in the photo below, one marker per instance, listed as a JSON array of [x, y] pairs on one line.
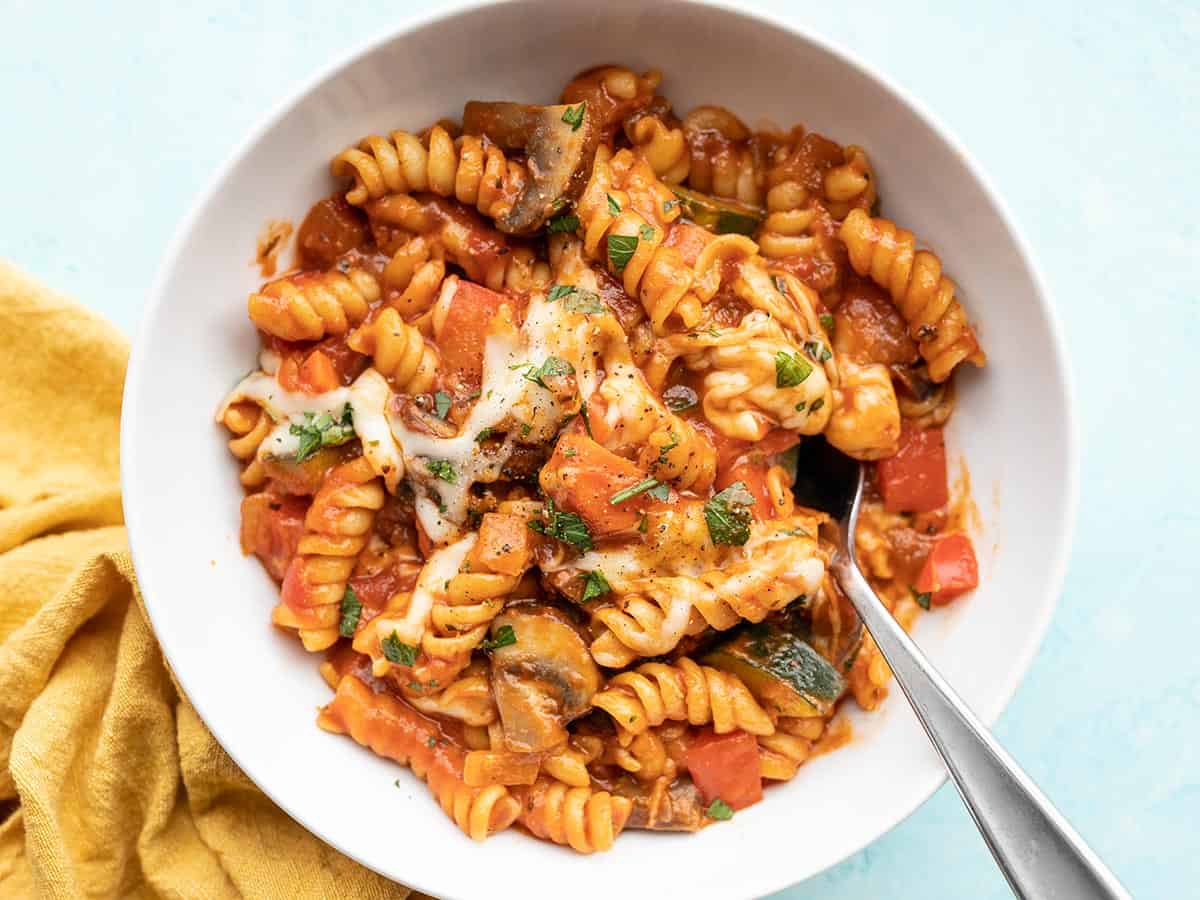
[[519, 453]]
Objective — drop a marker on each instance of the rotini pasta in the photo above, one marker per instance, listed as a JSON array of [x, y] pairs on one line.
[[519, 453]]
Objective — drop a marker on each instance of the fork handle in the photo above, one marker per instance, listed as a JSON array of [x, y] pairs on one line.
[[1038, 851]]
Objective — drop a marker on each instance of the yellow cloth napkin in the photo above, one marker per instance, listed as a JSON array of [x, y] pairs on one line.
[[110, 785]]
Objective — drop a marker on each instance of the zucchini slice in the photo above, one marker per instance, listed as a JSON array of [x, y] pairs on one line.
[[717, 214], [784, 672]]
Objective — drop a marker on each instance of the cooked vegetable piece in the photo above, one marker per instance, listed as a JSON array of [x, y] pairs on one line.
[[785, 674], [558, 142], [914, 480], [543, 680], [725, 766], [583, 477], [471, 309], [717, 214], [950, 571], [678, 808]]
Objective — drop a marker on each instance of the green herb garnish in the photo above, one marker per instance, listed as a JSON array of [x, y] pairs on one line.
[[630, 492], [441, 404], [621, 248], [574, 116], [594, 585], [442, 469], [321, 430], [563, 526], [679, 397], [728, 515], [922, 598], [504, 637], [817, 350], [720, 810], [790, 369], [351, 611], [563, 224], [398, 652]]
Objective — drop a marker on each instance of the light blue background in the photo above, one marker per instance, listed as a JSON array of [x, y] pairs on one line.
[[1085, 114]]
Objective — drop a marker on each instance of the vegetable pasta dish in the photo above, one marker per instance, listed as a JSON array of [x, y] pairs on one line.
[[520, 448]]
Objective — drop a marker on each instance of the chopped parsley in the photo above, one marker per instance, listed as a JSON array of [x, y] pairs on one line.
[[630, 492], [322, 431], [563, 224], [586, 302], [484, 434], [621, 248], [505, 636], [553, 367], [574, 116], [351, 611], [613, 206], [720, 810], [594, 585], [559, 291], [647, 232], [922, 598], [817, 350], [563, 526], [441, 404], [727, 515], [398, 652], [679, 397], [442, 469], [791, 369], [827, 322]]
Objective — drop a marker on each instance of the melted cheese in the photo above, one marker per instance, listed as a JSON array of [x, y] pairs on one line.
[[509, 402], [369, 397], [441, 566]]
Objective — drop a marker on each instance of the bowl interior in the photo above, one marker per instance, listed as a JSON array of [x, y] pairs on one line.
[[257, 690]]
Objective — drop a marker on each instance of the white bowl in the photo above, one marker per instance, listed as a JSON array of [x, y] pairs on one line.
[[257, 690]]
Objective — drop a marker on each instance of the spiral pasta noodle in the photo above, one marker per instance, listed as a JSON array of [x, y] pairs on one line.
[[685, 691], [925, 297], [308, 306], [337, 525], [470, 169], [250, 425], [665, 149], [396, 731], [398, 351], [585, 819]]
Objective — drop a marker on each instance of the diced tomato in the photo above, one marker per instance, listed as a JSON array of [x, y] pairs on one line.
[[582, 477], [374, 591], [689, 240], [726, 766], [950, 570], [271, 529], [914, 480], [753, 474], [317, 374], [465, 329], [505, 543]]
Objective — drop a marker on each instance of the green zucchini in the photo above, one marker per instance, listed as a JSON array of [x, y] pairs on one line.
[[784, 672], [717, 214]]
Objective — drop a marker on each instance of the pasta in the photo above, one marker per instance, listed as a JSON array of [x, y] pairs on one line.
[[519, 453]]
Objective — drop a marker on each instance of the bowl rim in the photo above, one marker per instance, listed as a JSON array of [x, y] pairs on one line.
[[156, 300]]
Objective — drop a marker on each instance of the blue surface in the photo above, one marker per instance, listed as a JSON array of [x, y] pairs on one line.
[[1086, 116]]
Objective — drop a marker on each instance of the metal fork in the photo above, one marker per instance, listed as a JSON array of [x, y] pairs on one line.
[[1038, 851]]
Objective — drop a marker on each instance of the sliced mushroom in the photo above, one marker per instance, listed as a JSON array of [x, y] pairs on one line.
[[678, 808], [544, 679], [559, 145]]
